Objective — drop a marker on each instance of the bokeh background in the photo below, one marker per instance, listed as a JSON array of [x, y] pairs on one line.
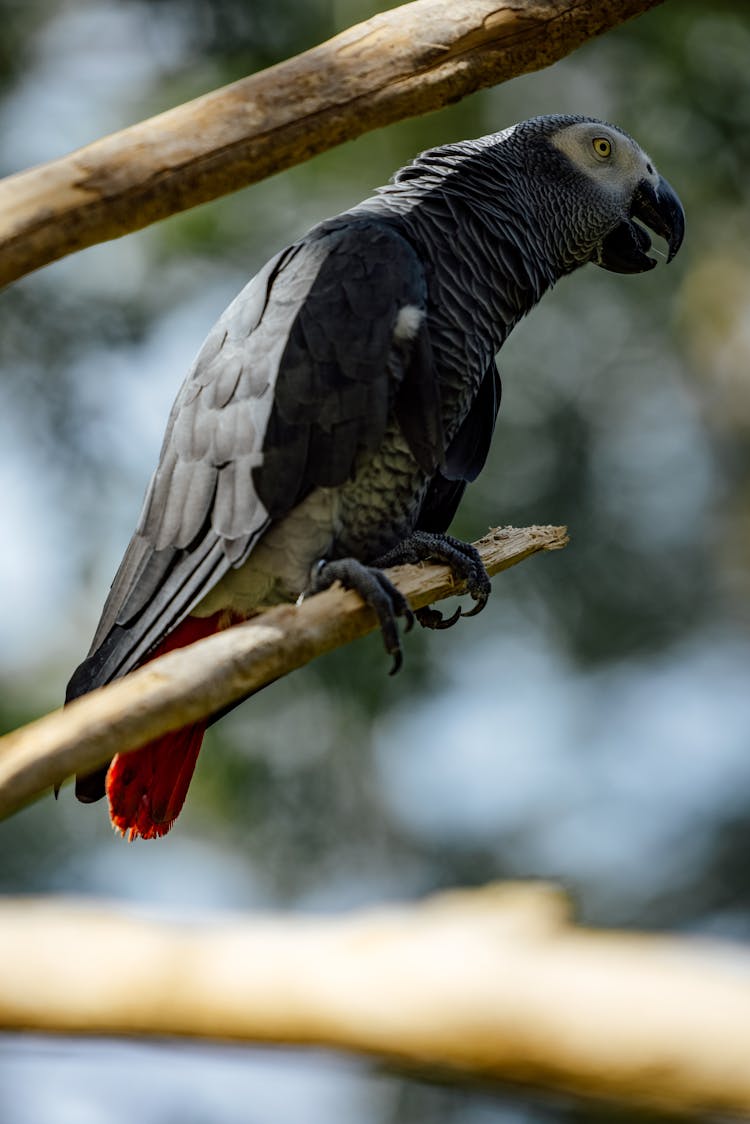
[[591, 727]]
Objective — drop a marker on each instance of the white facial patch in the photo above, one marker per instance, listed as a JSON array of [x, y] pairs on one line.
[[407, 322], [619, 170]]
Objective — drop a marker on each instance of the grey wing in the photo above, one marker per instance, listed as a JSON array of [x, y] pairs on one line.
[[358, 350], [464, 458], [293, 382]]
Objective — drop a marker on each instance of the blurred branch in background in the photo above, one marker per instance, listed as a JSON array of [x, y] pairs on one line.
[[398, 64], [209, 676], [487, 984]]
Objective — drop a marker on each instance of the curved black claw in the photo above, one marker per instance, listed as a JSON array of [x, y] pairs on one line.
[[433, 618], [377, 591], [465, 563]]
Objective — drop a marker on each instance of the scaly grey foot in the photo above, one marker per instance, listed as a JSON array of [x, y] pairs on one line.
[[465, 564], [376, 591]]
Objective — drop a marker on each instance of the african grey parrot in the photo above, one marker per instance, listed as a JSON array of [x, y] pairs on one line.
[[344, 399]]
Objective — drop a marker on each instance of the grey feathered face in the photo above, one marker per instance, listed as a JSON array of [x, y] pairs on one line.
[[622, 186]]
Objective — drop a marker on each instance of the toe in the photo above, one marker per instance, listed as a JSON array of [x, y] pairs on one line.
[[377, 591], [433, 618]]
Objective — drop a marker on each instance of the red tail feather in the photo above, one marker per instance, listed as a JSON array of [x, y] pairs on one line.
[[146, 789]]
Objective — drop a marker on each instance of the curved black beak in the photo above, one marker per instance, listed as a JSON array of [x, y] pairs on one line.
[[661, 211], [625, 249]]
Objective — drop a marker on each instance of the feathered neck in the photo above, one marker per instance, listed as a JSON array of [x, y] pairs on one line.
[[466, 209]]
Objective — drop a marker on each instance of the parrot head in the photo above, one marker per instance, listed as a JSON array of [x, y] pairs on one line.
[[623, 187]]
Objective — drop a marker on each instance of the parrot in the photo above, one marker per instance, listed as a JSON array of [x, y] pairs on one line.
[[344, 400]]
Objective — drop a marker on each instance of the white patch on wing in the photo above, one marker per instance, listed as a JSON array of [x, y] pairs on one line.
[[407, 322]]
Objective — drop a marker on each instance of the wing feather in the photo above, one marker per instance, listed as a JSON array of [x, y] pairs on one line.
[[296, 380], [344, 369], [464, 458]]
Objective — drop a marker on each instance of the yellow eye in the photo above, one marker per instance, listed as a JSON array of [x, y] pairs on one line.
[[602, 147]]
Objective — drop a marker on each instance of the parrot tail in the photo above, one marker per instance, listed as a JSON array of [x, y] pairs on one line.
[[147, 788]]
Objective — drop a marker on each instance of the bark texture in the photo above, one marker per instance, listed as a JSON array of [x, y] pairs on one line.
[[206, 677], [398, 64]]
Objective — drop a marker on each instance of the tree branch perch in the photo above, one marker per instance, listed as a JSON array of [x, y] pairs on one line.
[[398, 64], [206, 677], [491, 984]]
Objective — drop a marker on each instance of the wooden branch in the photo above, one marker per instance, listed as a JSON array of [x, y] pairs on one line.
[[398, 64], [491, 984], [206, 677]]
